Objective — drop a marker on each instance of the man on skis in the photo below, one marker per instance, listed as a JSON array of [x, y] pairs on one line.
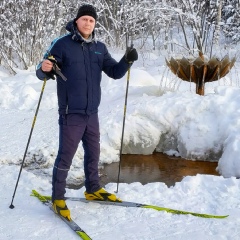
[[78, 59]]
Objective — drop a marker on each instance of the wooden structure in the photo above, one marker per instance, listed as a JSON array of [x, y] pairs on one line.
[[200, 70]]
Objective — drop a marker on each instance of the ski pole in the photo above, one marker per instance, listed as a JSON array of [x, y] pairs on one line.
[[29, 138], [123, 126]]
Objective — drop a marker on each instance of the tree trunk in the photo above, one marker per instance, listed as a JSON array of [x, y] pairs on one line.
[[218, 20]]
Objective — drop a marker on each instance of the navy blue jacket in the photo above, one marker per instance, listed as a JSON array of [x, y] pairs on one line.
[[82, 64]]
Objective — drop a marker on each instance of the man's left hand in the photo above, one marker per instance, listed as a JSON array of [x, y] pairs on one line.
[[131, 55]]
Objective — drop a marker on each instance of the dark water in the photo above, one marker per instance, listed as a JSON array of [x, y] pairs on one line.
[[157, 167]]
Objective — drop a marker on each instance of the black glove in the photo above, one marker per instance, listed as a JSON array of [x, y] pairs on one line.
[[131, 55]]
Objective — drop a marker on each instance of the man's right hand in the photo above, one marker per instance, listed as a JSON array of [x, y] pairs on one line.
[[47, 65]]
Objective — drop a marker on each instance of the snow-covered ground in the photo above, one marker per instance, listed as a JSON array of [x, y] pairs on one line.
[[177, 122], [203, 193]]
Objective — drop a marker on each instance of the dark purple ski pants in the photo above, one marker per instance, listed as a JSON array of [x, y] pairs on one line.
[[72, 129]]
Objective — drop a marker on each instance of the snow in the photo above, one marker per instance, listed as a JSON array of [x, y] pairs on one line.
[[159, 116]]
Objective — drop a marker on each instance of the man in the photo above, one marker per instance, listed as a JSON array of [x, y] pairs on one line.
[[78, 61]]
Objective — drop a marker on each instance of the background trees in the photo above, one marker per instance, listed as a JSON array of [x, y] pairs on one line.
[[28, 27], [25, 26], [231, 20]]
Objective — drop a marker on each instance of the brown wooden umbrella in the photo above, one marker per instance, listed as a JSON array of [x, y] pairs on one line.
[[200, 70]]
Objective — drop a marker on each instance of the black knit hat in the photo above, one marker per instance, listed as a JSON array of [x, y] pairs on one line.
[[86, 9]]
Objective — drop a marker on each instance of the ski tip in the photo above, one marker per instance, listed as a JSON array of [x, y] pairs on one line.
[[174, 211], [83, 235], [224, 216], [209, 215]]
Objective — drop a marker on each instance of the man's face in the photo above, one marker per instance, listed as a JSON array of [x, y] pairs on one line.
[[85, 25]]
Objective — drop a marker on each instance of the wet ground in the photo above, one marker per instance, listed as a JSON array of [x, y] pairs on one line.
[[157, 167]]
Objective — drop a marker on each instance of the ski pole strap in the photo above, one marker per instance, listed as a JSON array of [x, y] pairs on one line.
[[56, 69]]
